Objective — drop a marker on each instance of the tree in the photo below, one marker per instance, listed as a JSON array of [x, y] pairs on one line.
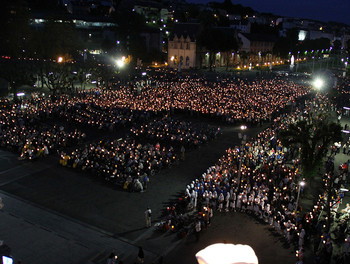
[[227, 44], [312, 137], [105, 74], [286, 44], [314, 44], [263, 29], [337, 45], [216, 40], [16, 72], [58, 77], [206, 19]]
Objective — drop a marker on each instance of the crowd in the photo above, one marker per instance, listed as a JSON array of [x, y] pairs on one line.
[[121, 161], [92, 115], [22, 131], [260, 178], [30, 127], [230, 99], [175, 132]]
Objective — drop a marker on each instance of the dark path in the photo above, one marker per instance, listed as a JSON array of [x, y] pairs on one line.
[[236, 228], [96, 202]]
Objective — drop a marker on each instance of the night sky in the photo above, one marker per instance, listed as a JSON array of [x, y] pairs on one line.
[[323, 10]]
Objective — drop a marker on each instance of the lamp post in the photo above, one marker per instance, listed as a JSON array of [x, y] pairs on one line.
[[243, 139], [297, 64], [301, 184]]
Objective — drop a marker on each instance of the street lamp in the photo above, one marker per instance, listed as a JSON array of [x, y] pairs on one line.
[[120, 63], [318, 84], [243, 139], [301, 184]]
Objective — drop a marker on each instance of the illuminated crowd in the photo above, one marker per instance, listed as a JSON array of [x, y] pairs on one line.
[[22, 131], [233, 100], [30, 127], [121, 161], [260, 178], [176, 132]]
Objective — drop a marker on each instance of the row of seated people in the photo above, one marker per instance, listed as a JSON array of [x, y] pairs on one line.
[[120, 161], [177, 133]]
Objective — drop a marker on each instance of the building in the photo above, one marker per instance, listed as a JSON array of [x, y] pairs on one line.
[[182, 46], [240, 25], [92, 31], [152, 10], [317, 34], [255, 43]]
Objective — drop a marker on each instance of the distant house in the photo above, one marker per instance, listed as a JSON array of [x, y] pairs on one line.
[[234, 17], [317, 34], [182, 46], [152, 10], [255, 43], [241, 25], [344, 40]]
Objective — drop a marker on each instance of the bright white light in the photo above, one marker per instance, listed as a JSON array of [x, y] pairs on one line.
[[20, 94], [144, 74], [60, 59], [318, 83], [243, 127], [227, 254], [120, 63], [302, 35], [302, 183]]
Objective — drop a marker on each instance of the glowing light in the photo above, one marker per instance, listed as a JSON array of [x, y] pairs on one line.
[[120, 63], [59, 59], [318, 83], [227, 254]]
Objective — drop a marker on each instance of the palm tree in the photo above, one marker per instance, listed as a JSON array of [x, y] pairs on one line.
[[312, 137]]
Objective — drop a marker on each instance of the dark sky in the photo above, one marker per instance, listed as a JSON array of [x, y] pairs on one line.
[[323, 10]]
